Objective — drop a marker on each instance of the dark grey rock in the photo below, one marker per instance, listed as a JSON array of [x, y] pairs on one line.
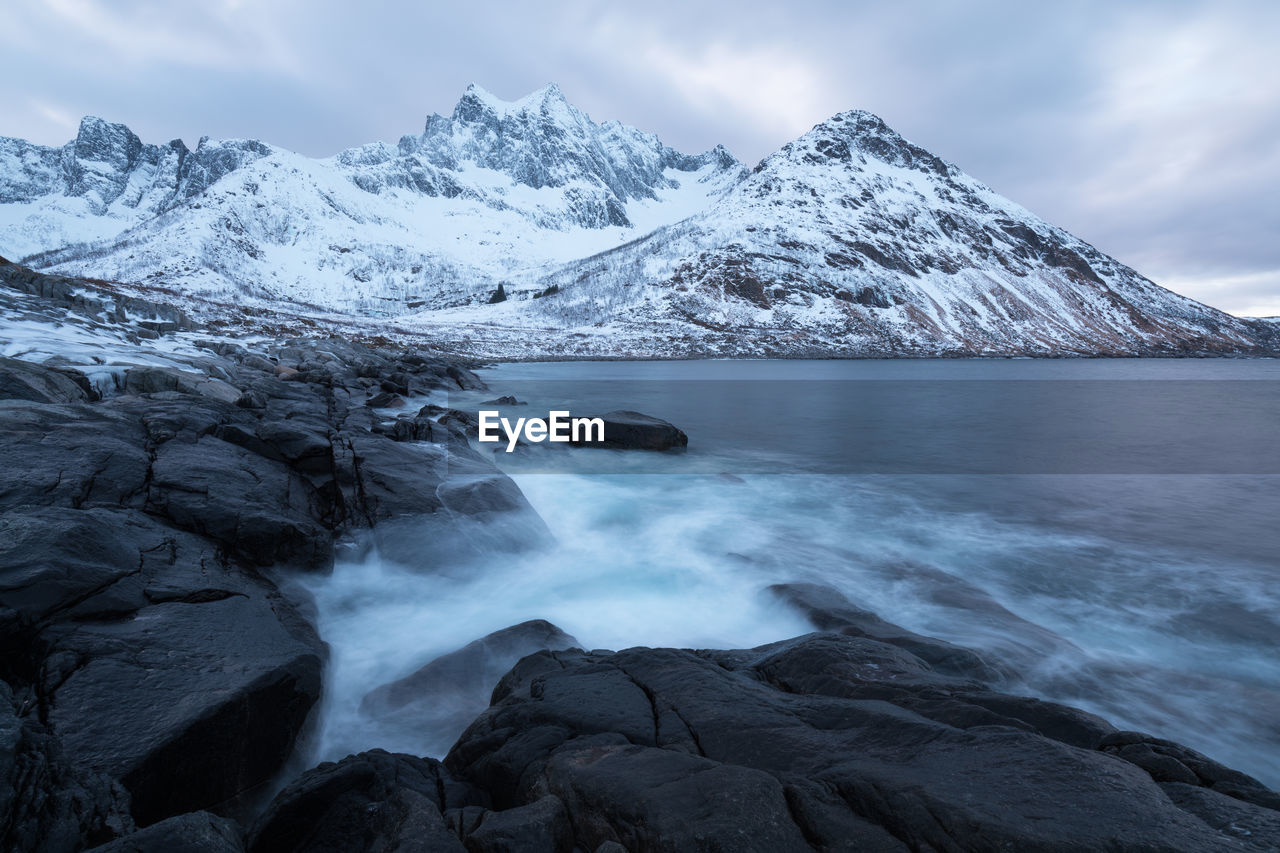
[[374, 801], [827, 741], [540, 827], [1168, 761], [385, 400], [152, 380], [1254, 827], [259, 508], [195, 832], [829, 610], [46, 804], [158, 663], [441, 698], [74, 455], [420, 429], [624, 430], [466, 422], [21, 380]]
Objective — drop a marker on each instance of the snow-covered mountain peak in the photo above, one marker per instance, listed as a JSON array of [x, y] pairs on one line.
[[477, 101], [543, 141], [496, 191], [852, 136], [848, 240], [106, 142]]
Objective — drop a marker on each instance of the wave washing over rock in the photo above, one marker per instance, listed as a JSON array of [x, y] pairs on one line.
[[170, 496]]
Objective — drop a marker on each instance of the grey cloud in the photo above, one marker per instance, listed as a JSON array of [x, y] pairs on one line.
[[1095, 115]]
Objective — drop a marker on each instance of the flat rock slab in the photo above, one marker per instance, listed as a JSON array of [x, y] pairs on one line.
[[827, 741], [21, 380]]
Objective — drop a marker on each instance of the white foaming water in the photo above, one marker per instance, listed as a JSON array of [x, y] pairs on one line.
[[1141, 598], [638, 560]]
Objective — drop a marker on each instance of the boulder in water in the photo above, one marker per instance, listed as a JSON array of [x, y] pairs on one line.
[[626, 430], [829, 610], [441, 698]]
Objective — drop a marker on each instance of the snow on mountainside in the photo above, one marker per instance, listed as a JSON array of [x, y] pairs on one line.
[[494, 191], [848, 241], [101, 183], [853, 241]]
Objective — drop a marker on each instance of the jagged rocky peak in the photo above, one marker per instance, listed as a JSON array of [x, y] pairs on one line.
[[541, 140], [477, 102], [854, 135], [107, 163], [107, 142]]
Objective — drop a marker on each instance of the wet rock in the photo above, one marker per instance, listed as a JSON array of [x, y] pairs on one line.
[[21, 380], [196, 832], [257, 507], [466, 422], [543, 825], [1252, 827], [257, 362], [419, 429], [252, 400], [1168, 761], [463, 378], [829, 610], [155, 662], [828, 741], [46, 804], [625, 430], [74, 455], [448, 692], [386, 400], [374, 801], [506, 400], [396, 383], [153, 380]]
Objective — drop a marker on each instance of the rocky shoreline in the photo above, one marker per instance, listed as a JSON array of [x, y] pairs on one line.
[[161, 667]]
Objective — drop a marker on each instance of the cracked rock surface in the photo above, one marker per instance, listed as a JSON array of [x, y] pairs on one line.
[[152, 666]]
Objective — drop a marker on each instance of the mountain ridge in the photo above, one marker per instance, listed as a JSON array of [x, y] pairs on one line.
[[850, 240]]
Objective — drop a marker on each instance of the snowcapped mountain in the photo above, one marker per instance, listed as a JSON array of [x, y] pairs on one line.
[[848, 241], [102, 183], [498, 190], [853, 241]]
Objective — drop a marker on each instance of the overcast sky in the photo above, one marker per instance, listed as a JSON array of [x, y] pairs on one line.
[[1150, 129]]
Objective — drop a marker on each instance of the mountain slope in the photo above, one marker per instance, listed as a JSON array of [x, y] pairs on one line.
[[849, 241], [489, 193], [101, 183], [853, 241]]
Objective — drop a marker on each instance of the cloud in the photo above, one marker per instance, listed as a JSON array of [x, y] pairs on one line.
[[1255, 294], [1147, 128], [224, 35], [768, 89]]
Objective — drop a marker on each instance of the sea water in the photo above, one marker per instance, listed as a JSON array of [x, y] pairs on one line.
[[1106, 528]]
